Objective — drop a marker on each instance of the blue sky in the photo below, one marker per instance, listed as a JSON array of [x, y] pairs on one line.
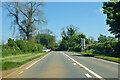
[[87, 16]]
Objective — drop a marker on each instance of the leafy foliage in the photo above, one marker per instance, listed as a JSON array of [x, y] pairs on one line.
[[71, 40], [46, 40], [19, 47], [112, 9], [108, 48], [28, 46], [103, 38]]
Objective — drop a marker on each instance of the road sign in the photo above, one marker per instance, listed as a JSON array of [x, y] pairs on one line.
[[83, 43]]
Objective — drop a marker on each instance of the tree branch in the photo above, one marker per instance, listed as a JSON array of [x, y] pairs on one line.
[[23, 13], [36, 8], [34, 20], [17, 20]]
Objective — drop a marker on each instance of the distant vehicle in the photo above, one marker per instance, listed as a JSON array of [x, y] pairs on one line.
[[46, 50]]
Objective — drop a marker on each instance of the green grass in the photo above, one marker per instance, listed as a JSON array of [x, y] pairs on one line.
[[99, 56], [11, 52], [107, 57], [14, 62]]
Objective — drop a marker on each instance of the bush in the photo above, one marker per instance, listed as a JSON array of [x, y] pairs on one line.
[[11, 43], [77, 48], [117, 50], [28, 46], [109, 48]]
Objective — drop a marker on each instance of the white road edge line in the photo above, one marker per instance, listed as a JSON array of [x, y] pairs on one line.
[[84, 67], [20, 72], [36, 62], [88, 75]]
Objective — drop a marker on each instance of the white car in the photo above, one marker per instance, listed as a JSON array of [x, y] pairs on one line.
[[46, 50]]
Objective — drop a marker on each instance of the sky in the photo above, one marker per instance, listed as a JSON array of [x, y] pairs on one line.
[[87, 16]]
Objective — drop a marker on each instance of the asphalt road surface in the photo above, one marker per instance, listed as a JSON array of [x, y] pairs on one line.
[[60, 64]]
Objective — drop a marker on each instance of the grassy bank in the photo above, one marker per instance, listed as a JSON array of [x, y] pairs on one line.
[[12, 52], [99, 56], [14, 61]]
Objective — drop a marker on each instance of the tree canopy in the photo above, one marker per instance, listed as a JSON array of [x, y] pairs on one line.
[[46, 40], [112, 9]]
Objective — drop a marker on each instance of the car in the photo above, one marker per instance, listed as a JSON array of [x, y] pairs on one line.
[[46, 50]]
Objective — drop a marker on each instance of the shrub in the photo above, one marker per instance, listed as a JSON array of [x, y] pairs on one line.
[[28, 46], [11, 43], [109, 48]]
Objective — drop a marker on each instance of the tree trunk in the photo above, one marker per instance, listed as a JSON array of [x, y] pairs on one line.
[[28, 35]]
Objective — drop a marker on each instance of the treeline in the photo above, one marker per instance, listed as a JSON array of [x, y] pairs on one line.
[[105, 45], [71, 39], [20, 47], [40, 41], [108, 48]]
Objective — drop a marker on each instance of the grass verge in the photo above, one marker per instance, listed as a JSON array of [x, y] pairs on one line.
[[15, 62], [99, 56]]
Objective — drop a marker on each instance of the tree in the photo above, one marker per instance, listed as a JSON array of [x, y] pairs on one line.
[[71, 30], [112, 9], [26, 15], [109, 38], [71, 40], [46, 40], [102, 38]]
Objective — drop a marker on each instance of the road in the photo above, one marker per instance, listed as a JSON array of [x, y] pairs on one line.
[[60, 64]]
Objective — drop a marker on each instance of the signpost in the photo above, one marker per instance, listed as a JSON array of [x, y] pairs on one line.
[[83, 44]]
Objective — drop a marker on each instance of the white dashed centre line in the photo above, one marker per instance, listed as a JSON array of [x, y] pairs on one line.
[[20, 72], [88, 75], [36, 62], [74, 63], [85, 68]]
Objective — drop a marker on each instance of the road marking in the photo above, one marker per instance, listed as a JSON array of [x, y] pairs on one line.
[[84, 67], [68, 59], [88, 75], [16, 70], [74, 63], [104, 60], [20, 72], [36, 62]]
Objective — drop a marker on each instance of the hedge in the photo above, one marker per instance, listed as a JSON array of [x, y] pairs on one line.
[[108, 48]]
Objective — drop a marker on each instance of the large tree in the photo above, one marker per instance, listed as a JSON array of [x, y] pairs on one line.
[[112, 9], [46, 40], [71, 39], [26, 15], [68, 32]]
